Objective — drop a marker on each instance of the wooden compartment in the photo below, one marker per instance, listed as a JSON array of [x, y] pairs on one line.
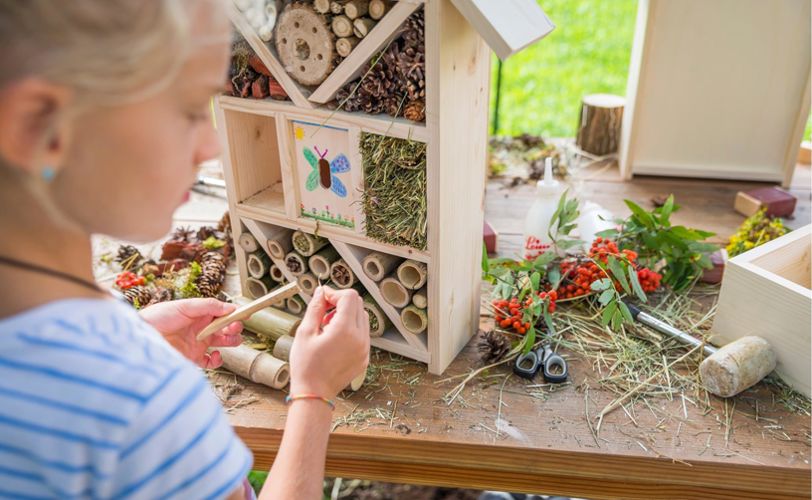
[[766, 292]]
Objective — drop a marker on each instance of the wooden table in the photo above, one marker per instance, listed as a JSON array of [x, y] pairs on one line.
[[399, 429]]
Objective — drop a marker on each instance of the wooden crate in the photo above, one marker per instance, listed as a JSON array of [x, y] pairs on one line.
[[262, 158], [766, 292]]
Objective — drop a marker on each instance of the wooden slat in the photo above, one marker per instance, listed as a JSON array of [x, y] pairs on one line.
[[350, 68]]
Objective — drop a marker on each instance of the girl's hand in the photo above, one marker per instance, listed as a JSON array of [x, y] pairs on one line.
[[325, 358], [180, 321]]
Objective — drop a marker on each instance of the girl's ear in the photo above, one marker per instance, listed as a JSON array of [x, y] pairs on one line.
[[32, 136]]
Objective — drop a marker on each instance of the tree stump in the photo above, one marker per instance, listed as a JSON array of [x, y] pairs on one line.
[[305, 43], [599, 123]]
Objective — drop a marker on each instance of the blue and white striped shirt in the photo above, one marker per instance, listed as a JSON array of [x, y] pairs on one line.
[[94, 403]]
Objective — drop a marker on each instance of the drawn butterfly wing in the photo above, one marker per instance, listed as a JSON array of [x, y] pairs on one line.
[[338, 187], [310, 157], [340, 164], [312, 180]]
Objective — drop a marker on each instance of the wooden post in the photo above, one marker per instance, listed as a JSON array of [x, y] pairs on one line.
[[599, 123], [356, 8]]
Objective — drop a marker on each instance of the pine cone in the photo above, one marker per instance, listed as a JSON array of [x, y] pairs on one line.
[[139, 296], [493, 347], [182, 234], [161, 294], [224, 225], [415, 111], [212, 275], [129, 256]]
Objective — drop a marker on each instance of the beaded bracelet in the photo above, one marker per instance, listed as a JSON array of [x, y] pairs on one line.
[[290, 399]]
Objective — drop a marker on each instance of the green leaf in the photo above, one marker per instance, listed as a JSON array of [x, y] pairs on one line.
[[529, 339], [638, 290], [534, 281], [608, 233], [666, 210], [601, 284], [608, 312], [616, 269], [554, 277], [486, 264], [544, 259], [568, 243], [606, 296], [642, 216], [624, 309], [212, 243], [548, 320]]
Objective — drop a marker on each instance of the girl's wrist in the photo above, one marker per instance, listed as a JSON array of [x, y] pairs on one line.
[[309, 397]]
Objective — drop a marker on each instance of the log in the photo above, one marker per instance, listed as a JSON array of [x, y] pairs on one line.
[[321, 6], [295, 305], [297, 265], [258, 264], [248, 242], [305, 44], [378, 321], [308, 283], [270, 323], [415, 320], [420, 299], [412, 274], [362, 26], [257, 287], [356, 8], [345, 45], [337, 6], [378, 265], [307, 244], [282, 347], [341, 274], [395, 293], [280, 245], [599, 123], [378, 8], [256, 366], [342, 26], [320, 262]]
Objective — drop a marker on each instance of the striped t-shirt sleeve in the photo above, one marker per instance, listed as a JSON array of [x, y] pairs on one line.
[[180, 445]]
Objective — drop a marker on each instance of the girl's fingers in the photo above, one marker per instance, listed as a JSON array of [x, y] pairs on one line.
[[196, 308], [225, 340], [212, 360]]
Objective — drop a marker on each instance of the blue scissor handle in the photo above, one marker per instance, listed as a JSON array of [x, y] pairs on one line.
[[555, 367]]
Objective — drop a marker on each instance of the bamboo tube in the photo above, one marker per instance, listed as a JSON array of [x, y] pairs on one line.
[[295, 305], [256, 366], [420, 299], [269, 322], [345, 45], [280, 245], [342, 26], [320, 262], [378, 265], [296, 264], [282, 347], [248, 242], [356, 8], [258, 264], [308, 283], [341, 274], [414, 319], [395, 293], [307, 244], [412, 274], [378, 321], [276, 273], [321, 6], [362, 26], [377, 8], [256, 288]]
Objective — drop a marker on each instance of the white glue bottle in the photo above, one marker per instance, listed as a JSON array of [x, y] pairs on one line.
[[592, 220], [537, 222]]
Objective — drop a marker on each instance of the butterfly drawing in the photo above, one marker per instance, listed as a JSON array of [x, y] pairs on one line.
[[324, 172]]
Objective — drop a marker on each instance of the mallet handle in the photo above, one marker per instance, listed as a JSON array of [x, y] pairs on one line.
[[669, 330]]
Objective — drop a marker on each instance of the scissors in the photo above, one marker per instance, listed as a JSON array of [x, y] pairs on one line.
[[553, 366]]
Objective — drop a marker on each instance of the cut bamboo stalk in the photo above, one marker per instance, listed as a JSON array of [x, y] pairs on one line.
[[256, 366], [379, 265], [321, 6], [248, 242], [308, 283], [282, 347], [342, 26], [296, 264], [356, 8], [377, 8], [341, 274], [345, 45], [295, 305], [414, 319], [269, 323], [362, 26], [276, 274], [280, 245], [412, 274], [420, 299], [395, 293], [378, 321], [246, 310], [258, 264], [307, 244], [256, 288], [320, 262]]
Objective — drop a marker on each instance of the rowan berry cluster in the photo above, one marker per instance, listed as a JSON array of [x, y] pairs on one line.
[[509, 314]]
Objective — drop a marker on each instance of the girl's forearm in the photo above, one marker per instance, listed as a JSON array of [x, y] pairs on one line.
[[298, 471]]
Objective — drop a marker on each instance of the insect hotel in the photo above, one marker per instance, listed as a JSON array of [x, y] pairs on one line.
[[356, 135]]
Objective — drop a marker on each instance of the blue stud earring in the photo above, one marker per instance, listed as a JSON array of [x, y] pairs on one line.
[[48, 174]]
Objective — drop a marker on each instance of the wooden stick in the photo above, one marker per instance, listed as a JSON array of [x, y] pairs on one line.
[[377, 8], [378, 265], [280, 245], [320, 262], [342, 275], [256, 288], [420, 299], [307, 244], [345, 45], [356, 8], [256, 366], [248, 242], [321, 6], [362, 26], [295, 305], [342, 26], [378, 321], [297, 265], [270, 323], [282, 347], [413, 274], [415, 320], [308, 283], [258, 264], [247, 310], [394, 292]]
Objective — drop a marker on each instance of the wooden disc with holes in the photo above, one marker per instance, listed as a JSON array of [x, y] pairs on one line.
[[305, 44]]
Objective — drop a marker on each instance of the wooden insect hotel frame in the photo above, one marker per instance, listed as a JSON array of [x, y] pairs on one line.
[[300, 183]]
